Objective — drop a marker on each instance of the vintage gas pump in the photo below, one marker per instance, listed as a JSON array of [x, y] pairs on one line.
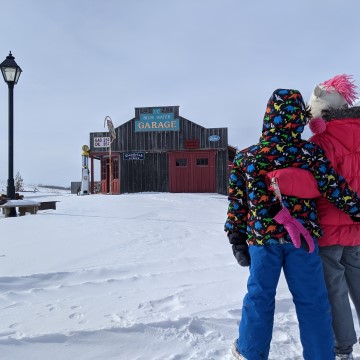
[[85, 183]]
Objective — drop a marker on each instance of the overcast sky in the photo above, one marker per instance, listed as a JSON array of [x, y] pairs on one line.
[[219, 60]]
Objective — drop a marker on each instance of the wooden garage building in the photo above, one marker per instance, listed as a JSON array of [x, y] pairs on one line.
[[159, 150]]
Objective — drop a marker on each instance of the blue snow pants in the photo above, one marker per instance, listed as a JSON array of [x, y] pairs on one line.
[[305, 279]]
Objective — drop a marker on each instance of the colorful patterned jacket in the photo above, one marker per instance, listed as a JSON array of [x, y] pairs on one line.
[[281, 146]]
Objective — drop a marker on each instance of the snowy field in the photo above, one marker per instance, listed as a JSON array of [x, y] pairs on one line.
[[129, 277]]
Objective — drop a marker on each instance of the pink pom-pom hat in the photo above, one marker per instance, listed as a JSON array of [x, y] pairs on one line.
[[344, 85]]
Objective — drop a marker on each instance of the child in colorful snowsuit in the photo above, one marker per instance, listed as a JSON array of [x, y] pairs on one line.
[[259, 241]]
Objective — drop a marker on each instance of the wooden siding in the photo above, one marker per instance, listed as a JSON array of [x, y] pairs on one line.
[[222, 173], [150, 174], [129, 140]]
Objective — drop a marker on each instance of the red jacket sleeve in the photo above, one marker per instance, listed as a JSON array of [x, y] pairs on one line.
[[295, 182]]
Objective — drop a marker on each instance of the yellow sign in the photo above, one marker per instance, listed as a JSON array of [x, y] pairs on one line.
[[85, 150]]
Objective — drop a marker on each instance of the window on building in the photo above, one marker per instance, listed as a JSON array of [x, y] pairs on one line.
[[103, 169], [202, 161], [181, 162]]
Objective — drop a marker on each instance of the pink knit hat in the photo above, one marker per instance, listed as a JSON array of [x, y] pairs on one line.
[[342, 84]]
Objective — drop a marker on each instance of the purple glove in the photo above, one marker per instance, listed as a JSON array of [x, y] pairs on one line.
[[295, 229]]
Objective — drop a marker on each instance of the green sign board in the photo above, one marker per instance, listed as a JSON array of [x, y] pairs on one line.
[[157, 121]]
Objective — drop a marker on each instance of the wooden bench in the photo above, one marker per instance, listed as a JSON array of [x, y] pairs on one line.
[[47, 205], [24, 206]]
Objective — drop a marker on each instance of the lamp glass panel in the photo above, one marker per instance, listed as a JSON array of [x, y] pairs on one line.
[[18, 72], [9, 73]]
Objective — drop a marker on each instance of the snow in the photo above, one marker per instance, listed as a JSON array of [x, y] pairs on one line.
[[21, 203], [129, 277]]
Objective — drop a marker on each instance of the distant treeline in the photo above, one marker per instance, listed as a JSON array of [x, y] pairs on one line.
[[55, 187]]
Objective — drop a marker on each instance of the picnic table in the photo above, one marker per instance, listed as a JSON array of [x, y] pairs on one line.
[[27, 206]]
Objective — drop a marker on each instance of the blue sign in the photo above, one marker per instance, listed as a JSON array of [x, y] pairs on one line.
[[134, 156], [214, 138], [157, 121]]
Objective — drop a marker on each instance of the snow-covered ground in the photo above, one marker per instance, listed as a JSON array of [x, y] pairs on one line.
[[129, 277]]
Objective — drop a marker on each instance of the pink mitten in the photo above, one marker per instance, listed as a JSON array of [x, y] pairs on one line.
[[294, 228]]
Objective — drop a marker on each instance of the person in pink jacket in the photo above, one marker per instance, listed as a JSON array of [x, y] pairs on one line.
[[337, 131]]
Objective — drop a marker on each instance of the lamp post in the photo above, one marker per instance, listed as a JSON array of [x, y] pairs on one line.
[[11, 72]]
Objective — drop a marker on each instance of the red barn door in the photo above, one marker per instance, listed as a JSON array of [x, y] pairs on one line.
[[192, 171]]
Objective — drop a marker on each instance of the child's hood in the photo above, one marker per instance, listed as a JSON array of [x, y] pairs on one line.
[[285, 116]]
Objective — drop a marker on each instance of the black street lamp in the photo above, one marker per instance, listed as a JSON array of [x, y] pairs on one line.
[[11, 72]]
